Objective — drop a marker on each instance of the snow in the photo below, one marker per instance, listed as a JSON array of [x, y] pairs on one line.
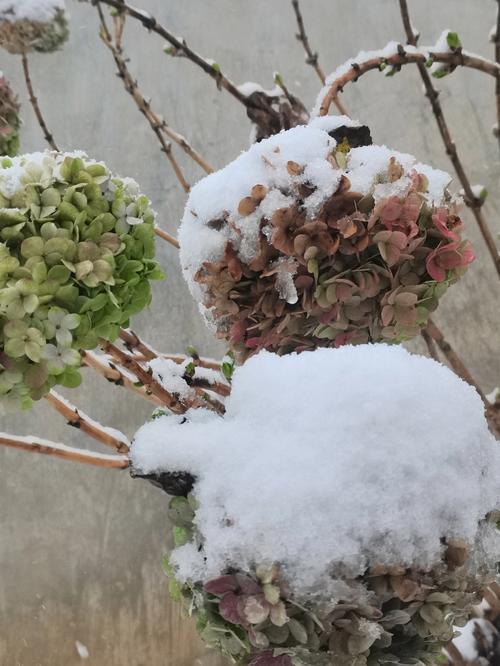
[[466, 642], [249, 87], [82, 650], [441, 45], [330, 461], [33, 10], [170, 375], [330, 123], [387, 51], [308, 149]]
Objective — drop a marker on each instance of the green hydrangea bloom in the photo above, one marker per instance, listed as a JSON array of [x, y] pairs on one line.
[[77, 249]]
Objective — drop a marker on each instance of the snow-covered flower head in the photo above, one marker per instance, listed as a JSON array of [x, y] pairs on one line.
[[343, 510], [32, 25], [309, 239]]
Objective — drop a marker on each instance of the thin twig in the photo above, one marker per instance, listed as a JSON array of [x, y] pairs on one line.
[[431, 347], [34, 103], [471, 200], [167, 237], [38, 445], [311, 56], [114, 374], [132, 87], [357, 69], [78, 419], [453, 358], [138, 346], [135, 345], [180, 46], [202, 362], [419, 58], [145, 377]]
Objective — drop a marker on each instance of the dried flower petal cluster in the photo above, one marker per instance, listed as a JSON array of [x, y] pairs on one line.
[[315, 532], [76, 257], [359, 264], [388, 615], [9, 119], [25, 27]]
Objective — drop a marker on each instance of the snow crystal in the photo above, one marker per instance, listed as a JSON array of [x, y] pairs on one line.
[[329, 461], [33, 10], [212, 217]]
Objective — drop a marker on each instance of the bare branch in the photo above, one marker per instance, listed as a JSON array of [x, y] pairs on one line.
[[138, 346], [311, 56], [431, 347], [202, 362], [34, 103], [167, 237], [145, 377], [453, 358], [181, 48], [78, 419], [419, 58], [134, 344], [433, 95], [131, 86], [38, 445], [357, 69]]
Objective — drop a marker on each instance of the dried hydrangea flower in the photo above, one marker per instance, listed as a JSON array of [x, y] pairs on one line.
[[71, 270], [27, 26], [305, 241], [344, 510], [10, 121]]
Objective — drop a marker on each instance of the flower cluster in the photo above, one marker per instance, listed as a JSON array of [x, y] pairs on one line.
[[389, 615], [76, 257], [359, 270], [9, 119], [43, 29]]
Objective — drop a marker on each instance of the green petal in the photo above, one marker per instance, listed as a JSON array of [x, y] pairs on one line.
[[33, 351], [15, 347], [32, 247]]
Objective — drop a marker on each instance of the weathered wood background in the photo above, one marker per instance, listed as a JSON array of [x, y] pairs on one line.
[[80, 549]]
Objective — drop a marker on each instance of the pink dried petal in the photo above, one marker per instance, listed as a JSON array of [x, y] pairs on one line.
[[222, 585], [267, 659], [247, 584], [229, 608], [391, 211]]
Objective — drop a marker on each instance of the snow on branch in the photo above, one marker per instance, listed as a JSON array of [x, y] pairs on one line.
[[472, 201], [78, 419], [395, 55], [44, 446]]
